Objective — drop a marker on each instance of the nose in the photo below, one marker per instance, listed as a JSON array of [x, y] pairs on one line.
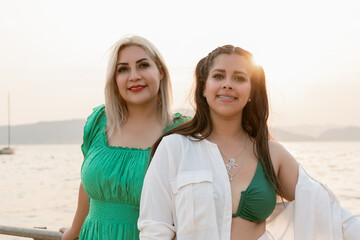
[[227, 84], [134, 75]]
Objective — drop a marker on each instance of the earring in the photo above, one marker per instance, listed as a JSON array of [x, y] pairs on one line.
[[249, 100], [204, 94]]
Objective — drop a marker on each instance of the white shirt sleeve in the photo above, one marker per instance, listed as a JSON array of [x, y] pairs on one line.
[[315, 214], [350, 225], [156, 207]]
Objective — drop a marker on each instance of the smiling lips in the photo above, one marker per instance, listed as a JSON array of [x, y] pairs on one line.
[[136, 88], [226, 98]]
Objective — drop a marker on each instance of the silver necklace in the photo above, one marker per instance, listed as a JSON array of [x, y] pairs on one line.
[[232, 162]]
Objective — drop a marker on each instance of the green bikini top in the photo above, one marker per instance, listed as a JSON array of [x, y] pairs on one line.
[[258, 201]]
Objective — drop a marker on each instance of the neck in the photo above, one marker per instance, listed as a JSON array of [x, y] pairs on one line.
[[143, 112], [226, 127]]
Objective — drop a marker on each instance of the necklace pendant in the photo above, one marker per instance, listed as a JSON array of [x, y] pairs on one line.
[[232, 164]]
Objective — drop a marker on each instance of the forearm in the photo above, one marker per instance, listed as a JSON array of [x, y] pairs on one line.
[[81, 211]]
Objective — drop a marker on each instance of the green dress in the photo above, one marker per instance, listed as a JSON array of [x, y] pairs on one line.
[[113, 178]]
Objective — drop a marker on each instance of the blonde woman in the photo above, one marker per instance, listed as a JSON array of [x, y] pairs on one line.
[[117, 141]]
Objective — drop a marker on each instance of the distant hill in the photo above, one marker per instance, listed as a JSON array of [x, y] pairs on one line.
[[308, 129], [341, 134], [281, 135], [71, 131], [59, 132]]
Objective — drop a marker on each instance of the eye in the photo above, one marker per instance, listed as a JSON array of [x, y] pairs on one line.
[[218, 76], [122, 69], [239, 78], [144, 65]]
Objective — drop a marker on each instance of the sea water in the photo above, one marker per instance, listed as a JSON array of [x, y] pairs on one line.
[[39, 184]]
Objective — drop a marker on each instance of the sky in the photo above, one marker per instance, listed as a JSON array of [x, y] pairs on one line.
[[53, 53]]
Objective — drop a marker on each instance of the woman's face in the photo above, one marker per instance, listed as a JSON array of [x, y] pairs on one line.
[[137, 76], [228, 85]]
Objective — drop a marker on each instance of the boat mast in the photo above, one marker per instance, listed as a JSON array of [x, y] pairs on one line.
[[9, 119]]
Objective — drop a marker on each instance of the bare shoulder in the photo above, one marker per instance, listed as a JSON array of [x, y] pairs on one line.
[[280, 155], [277, 151], [286, 168], [276, 147]]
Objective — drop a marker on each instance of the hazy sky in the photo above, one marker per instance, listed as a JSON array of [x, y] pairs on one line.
[[53, 53]]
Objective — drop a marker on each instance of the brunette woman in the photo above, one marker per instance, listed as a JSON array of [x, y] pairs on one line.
[[218, 176]]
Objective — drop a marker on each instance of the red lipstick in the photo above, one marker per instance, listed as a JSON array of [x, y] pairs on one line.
[[136, 88]]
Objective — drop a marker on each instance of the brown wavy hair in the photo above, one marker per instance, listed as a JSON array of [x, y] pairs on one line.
[[255, 113]]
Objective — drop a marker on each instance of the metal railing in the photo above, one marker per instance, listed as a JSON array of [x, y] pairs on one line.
[[36, 234]]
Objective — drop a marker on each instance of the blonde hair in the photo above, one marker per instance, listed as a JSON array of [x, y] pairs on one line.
[[115, 106]]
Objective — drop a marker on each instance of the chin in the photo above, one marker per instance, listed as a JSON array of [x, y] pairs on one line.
[[227, 114], [143, 100]]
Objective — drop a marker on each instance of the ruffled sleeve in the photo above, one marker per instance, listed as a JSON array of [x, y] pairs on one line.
[[177, 120], [92, 126]]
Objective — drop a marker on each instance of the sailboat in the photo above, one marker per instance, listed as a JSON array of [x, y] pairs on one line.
[[8, 149]]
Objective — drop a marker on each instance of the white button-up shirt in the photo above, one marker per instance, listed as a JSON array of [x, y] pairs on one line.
[[186, 195], [186, 192]]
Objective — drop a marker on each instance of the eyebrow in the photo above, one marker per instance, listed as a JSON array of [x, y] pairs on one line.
[[236, 72], [140, 60]]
